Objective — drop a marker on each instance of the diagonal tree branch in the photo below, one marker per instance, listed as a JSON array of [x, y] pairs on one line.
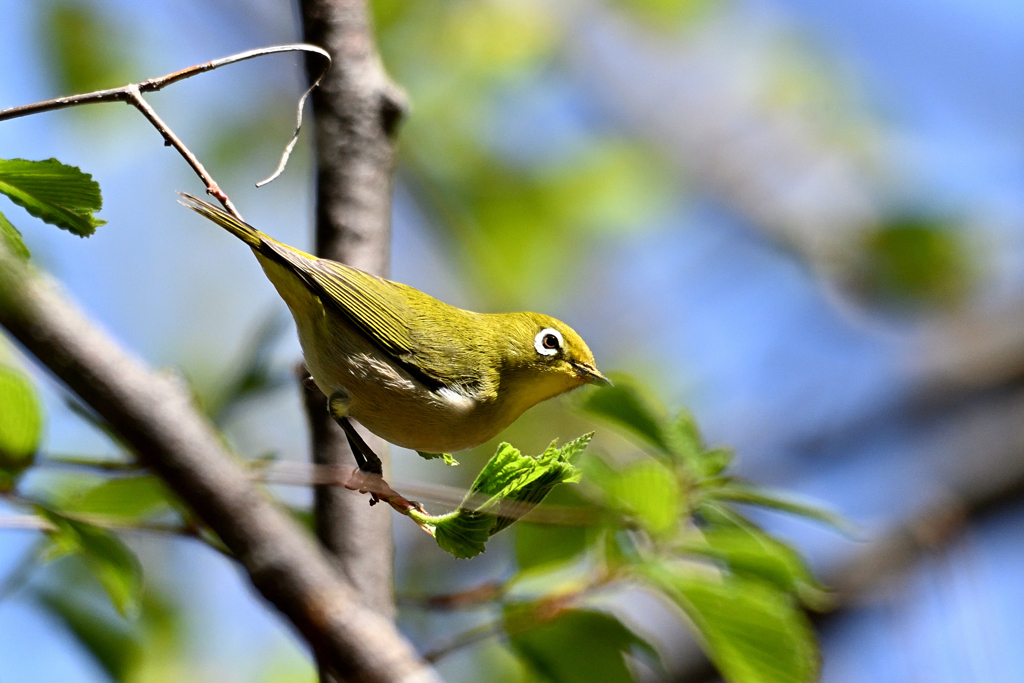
[[357, 110], [155, 416]]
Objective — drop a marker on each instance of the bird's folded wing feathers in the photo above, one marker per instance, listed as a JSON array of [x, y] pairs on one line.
[[372, 304], [376, 307]]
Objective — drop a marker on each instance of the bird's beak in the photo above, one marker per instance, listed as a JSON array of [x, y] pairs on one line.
[[591, 374]]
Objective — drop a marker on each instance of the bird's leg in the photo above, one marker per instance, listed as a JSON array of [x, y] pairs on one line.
[[365, 457], [367, 461]]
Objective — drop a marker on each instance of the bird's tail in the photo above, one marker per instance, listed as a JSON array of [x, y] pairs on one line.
[[238, 228]]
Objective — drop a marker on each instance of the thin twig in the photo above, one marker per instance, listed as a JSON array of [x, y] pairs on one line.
[[478, 596], [466, 639], [77, 461], [25, 522], [541, 611], [122, 94], [172, 140], [308, 474], [132, 94]]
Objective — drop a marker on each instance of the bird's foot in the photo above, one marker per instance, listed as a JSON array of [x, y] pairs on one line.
[[380, 490]]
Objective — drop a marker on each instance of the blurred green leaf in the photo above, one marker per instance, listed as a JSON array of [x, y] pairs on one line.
[[684, 439], [114, 645], [917, 260], [110, 561], [21, 424], [750, 630], [12, 239], [577, 646], [54, 192], [645, 490], [511, 484], [541, 544], [84, 49], [749, 552], [737, 492], [446, 457], [626, 405], [667, 14], [124, 499], [609, 186], [715, 461]]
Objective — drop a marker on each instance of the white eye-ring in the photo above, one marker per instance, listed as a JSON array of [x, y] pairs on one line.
[[548, 342]]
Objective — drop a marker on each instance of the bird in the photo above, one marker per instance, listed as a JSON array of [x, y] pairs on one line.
[[417, 372]]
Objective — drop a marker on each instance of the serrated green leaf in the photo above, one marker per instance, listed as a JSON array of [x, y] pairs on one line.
[[54, 192], [12, 239], [124, 499], [684, 439], [751, 631], [510, 485], [713, 462], [625, 405], [111, 562], [736, 492], [577, 646], [21, 424], [446, 457], [646, 490], [749, 552]]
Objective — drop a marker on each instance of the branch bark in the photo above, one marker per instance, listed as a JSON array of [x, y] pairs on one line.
[[357, 110], [155, 416]]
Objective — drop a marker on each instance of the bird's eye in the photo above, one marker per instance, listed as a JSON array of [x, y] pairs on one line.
[[548, 342]]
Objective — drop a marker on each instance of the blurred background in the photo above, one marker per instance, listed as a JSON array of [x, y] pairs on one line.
[[802, 220]]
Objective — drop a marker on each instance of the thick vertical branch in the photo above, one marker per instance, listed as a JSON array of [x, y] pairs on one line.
[[357, 110]]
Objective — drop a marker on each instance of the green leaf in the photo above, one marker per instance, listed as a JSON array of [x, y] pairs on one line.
[[684, 439], [108, 639], [507, 488], [736, 492], [12, 239], [625, 405], [447, 457], [58, 194], [85, 50], [713, 462], [577, 646], [21, 424], [751, 631], [124, 499], [917, 260], [110, 561], [646, 490], [749, 552], [540, 544]]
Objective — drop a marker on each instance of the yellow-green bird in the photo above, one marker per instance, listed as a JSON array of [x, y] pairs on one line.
[[416, 371]]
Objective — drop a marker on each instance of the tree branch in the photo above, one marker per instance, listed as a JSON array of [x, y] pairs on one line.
[[155, 416], [132, 94], [357, 110]]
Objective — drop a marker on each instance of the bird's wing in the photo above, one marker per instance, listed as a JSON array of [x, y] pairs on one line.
[[376, 307]]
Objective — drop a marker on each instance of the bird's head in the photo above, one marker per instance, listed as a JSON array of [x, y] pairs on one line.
[[544, 357]]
